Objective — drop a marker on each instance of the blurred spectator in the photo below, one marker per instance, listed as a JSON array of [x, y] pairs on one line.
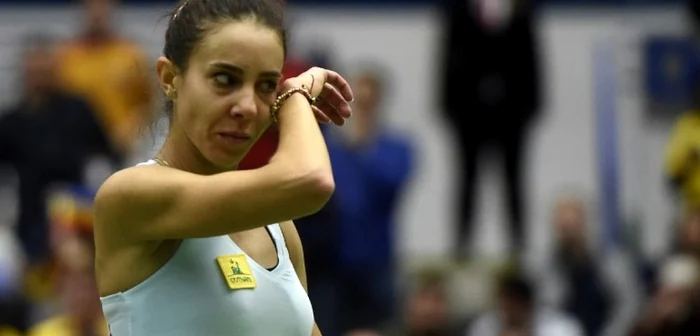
[[490, 93], [371, 168], [12, 317], [599, 288], [518, 314], [683, 153], [111, 73], [13, 309], [427, 311], [7, 331], [675, 308], [687, 243], [81, 313], [47, 137], [71, 217], [11, 262], [694, 9], [689, 234]]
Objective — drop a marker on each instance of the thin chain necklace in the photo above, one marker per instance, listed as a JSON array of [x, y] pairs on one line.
[[161, 161]]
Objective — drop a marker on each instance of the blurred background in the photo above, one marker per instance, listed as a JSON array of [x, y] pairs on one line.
[[513, 167]]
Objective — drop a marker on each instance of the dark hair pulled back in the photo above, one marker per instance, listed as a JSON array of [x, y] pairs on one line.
[[190, 20]]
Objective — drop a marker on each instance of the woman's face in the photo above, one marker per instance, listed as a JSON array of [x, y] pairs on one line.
[[223, 99]]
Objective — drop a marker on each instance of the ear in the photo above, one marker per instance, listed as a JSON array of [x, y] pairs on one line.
[[167, 76]]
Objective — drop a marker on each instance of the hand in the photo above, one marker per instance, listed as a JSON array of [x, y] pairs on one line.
[[332, 91]]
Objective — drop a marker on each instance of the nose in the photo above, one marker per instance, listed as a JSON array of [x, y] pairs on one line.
[[244, 106]]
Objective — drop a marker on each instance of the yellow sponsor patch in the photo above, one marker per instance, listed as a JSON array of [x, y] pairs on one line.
[[236, 271]]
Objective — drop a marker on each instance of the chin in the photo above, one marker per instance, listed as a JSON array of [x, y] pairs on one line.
[[224, 160], [225, 163]]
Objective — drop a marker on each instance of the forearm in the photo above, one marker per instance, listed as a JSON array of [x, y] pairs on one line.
[[301, 144]]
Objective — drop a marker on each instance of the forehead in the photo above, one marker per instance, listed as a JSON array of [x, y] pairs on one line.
[[246, 44]]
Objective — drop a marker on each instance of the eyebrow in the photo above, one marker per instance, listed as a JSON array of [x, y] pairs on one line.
[[239, 71]]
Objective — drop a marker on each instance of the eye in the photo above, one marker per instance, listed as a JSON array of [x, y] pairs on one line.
[[268, 87], [223, 79]]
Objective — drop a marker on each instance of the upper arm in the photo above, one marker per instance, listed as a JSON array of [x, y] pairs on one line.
[[160, 203]]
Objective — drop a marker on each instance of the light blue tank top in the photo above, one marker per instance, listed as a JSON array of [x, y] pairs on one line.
[[211, 288]]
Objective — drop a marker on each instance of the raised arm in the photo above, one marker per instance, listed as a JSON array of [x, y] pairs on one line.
[[158, 203]]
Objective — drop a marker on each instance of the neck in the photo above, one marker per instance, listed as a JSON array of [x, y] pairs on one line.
[[97, 35], [180, 153]]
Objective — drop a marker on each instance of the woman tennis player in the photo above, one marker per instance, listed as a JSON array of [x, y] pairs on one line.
[[185, 244]]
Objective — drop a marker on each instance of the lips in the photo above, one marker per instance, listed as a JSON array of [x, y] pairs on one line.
[[234, 139], [241, 136]]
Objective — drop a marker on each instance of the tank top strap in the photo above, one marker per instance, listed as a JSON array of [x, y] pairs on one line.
[[278, 236]]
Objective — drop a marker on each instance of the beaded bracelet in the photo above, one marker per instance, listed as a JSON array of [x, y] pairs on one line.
[[281, 99]]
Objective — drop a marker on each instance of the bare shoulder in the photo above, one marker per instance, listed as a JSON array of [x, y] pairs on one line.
[[121, 185], [133, 188]]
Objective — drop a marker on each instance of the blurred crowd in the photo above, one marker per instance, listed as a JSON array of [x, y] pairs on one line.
[[86, 102]]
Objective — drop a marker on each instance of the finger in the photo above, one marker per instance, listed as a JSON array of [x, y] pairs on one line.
[[340, 83], [330, 111], [320, 116], [317, 76], [331, 95]]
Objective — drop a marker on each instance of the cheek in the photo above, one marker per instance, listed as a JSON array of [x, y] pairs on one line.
[[197, 108], [263, 106]]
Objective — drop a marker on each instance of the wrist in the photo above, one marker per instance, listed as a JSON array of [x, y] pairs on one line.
[[291, 83], [295, 100], [293, 93]]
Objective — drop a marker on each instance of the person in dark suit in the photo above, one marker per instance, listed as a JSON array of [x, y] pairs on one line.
[[490, 93], [694, 8], [48, 137]]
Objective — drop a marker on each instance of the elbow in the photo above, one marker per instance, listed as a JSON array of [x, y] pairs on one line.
[[318, 189], [322, 187]]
